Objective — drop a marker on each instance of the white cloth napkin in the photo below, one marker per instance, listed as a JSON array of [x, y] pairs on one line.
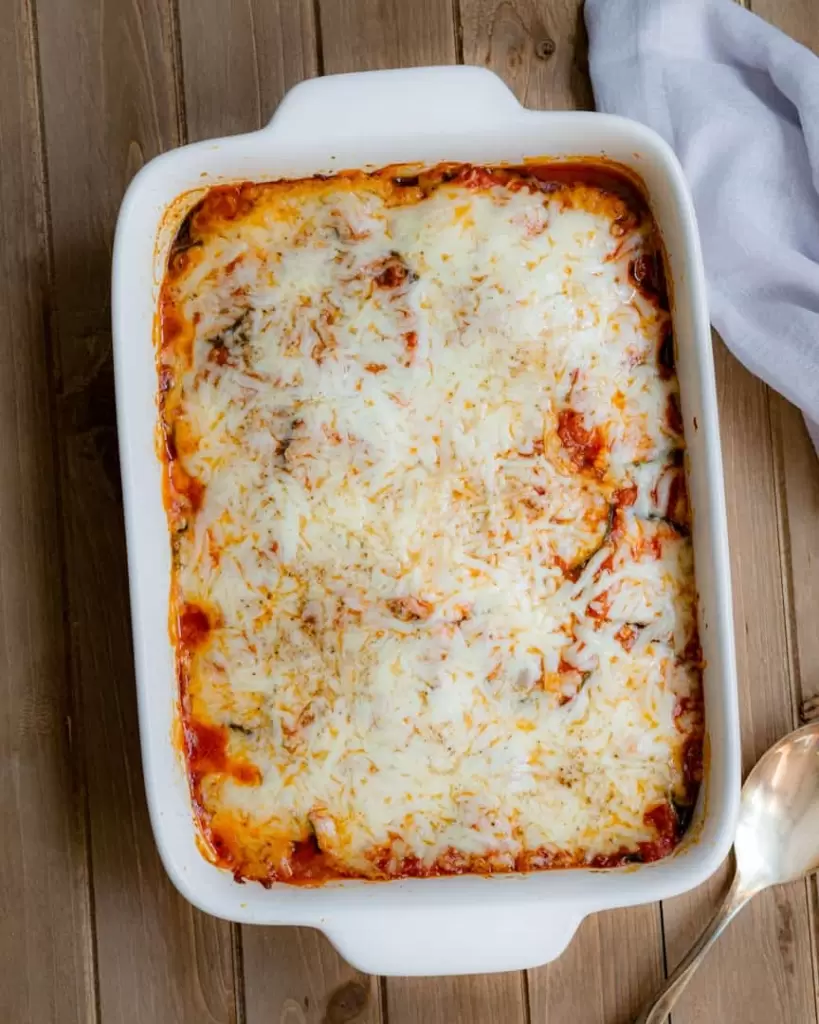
[[739, 103]]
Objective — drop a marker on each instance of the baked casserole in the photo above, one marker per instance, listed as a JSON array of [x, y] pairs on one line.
[[432, 601]]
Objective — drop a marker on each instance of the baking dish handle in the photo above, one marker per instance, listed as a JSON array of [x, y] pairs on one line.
[[454, 939], [405, 100]]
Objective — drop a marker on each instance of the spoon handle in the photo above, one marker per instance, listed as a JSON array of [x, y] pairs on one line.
[[660, 1006]]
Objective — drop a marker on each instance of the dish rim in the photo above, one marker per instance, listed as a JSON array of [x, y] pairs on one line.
[[489, 120]]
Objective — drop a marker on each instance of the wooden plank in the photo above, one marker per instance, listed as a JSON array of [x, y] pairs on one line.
[[798, 479], [797, 466], [360, 35], [608, 971], [469, 999], [109, 103], [295, 975], [287, 973], [760, 972], [798, 18], [797, 471], [539, 50], [240, 57], [798, 486], [46, 942]]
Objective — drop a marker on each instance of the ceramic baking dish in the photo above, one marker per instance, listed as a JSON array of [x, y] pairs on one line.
[[416, 926]]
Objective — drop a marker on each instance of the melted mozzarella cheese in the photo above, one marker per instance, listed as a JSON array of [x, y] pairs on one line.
[[418, 596]]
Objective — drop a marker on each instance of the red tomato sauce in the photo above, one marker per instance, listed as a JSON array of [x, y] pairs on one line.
[[583, 446]]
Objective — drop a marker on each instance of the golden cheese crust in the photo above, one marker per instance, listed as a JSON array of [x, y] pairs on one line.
[[433, 601]]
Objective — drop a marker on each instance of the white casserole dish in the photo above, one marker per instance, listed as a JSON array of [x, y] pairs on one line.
[[445, 925]]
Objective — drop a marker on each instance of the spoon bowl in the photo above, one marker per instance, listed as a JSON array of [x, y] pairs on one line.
[[777, 841], [777, 836]]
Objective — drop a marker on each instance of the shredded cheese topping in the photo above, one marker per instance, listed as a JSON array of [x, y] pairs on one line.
[[433, 586]]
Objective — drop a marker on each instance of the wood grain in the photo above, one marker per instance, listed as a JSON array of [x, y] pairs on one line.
[[240, 57], [121, 80], [611, 967], [473, 999], [798, 485], [798, 18], [294, 976], [540, 51], [798, 472], [46, 948], [761, 969], [109, 103], [363, 35]]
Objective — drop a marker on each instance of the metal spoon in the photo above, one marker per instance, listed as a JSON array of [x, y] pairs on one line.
[[777, 841]]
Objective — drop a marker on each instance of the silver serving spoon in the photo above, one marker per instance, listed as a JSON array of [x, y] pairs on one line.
[[777, 841]]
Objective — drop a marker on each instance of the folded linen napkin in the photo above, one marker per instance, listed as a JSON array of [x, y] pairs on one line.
[[739, 103]]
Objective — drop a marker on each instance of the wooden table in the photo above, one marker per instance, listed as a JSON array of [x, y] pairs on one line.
[[91, 928]]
